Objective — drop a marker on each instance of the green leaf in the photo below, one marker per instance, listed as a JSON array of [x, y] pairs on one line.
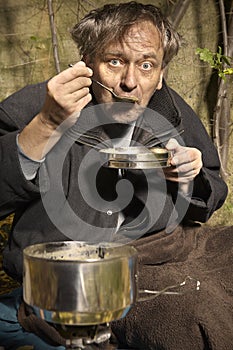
[[216, 60], [33, 38], [228, 71], [206, 55]]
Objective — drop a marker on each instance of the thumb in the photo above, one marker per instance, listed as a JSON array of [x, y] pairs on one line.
[[173, 145]]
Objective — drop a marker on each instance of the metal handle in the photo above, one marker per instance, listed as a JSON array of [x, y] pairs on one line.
[[189, 282]]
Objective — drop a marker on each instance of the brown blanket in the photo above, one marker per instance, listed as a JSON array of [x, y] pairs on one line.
[[196, 320]]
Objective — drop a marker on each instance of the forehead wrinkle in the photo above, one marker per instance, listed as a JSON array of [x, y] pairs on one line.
[[139, 33]]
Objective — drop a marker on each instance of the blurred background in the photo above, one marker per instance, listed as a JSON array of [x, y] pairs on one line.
[[35, 44]]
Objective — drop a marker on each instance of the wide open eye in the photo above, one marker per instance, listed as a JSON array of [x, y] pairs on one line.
[[146, 65], [115, 62]]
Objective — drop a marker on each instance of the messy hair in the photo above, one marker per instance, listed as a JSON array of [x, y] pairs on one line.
[[111, 22]]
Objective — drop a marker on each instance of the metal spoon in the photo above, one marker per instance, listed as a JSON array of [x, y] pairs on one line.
[[132, 99]]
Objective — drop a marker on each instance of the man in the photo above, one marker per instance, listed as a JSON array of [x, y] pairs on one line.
[[52, 133]]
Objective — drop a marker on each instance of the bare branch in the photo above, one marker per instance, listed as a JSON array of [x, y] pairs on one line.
[[224, 26], [230, 32], [54, 35], [175, 15], [221, 125], [178, 12]]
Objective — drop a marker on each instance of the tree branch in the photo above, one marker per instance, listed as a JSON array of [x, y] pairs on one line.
[[178, 11], [221, 125], [54, 35], [230, 32]]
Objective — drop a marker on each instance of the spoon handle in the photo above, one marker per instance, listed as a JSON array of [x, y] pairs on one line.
[[104, 86]]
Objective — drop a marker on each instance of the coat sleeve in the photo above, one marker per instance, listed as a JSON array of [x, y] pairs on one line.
[[15, 113], [209, 189]]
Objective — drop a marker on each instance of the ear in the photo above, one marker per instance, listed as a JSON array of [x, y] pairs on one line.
[[160, 83], [88, 61]]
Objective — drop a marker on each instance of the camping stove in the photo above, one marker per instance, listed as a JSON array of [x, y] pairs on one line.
[[86, 337], [80, 288]]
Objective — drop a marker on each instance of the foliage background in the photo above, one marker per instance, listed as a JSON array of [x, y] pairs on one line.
[[26, 55]]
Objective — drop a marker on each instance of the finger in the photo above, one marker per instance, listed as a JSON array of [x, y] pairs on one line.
[[77, 100], [180, 179], [180, 176], [194, 166], [178, 152], [187, 157], [79, 94], [189, 169], [80, 104], [67, 86], [176, 177], [180, 157], [75, 85], [77, 70]]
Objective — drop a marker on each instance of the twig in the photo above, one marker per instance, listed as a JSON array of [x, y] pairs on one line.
[[224, 26], [54, 36], [25, 63], [178, 11], [222, 110]]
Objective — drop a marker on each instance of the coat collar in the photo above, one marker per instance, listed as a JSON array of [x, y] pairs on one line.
[[160, 121]]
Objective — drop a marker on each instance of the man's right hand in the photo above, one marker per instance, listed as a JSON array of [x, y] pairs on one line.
[[67, 94]]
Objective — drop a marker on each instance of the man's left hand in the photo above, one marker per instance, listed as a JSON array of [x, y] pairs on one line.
[[186, 162]]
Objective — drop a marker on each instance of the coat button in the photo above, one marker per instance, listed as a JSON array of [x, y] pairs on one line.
[[109, 212]]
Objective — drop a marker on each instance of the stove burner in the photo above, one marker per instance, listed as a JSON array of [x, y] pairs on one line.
[[90, 337]]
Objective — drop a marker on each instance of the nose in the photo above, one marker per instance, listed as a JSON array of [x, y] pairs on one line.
[[128, 79]]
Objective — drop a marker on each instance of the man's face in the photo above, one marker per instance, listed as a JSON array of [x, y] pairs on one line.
[[130, 68]]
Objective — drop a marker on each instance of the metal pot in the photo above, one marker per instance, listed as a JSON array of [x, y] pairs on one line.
[[75, 283]]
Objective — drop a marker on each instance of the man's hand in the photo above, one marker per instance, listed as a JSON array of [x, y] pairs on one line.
[[68, 93], [186, 162]]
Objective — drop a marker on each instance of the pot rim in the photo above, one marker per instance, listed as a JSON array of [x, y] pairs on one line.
[[30, 251]]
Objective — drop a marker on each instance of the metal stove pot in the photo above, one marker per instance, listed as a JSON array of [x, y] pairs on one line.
[[75, 283]]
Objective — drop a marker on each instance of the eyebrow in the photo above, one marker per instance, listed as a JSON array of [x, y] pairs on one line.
[[120, 54]]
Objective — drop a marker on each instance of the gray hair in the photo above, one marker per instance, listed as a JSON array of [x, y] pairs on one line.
[[111, 22]]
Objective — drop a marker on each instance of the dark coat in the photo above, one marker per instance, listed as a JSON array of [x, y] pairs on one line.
[[60, 204]]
